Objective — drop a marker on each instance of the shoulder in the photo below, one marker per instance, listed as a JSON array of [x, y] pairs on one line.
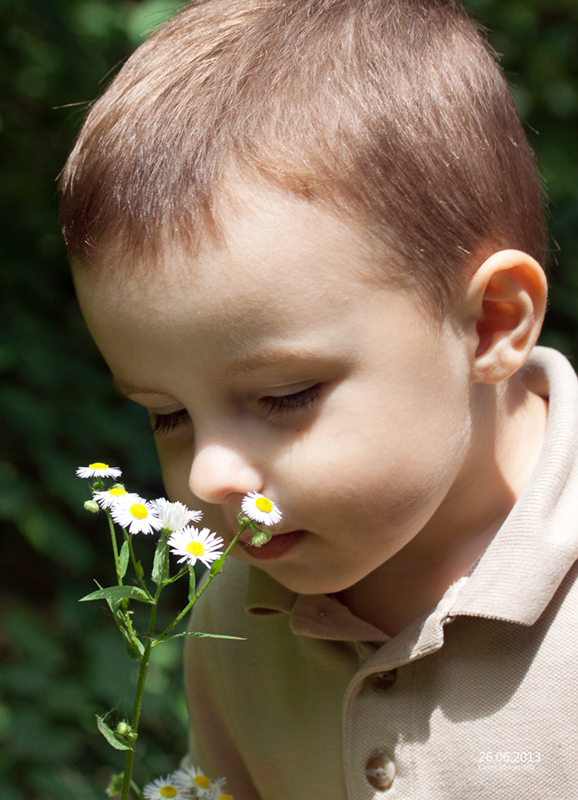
[[223, 602]]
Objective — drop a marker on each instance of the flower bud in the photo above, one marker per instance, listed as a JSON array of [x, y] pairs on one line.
[[115, 786], [92, 506], [123, 728], [260, 538]]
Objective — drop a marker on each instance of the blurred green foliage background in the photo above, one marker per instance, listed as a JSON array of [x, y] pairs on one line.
[[61, 661]]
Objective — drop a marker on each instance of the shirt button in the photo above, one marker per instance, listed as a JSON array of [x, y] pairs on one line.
[[383, 680], [380, 772]]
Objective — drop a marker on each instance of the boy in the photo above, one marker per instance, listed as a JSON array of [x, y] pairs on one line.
[[307, 237]]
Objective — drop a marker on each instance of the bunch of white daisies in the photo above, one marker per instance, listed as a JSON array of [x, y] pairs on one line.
[[189, 783], [137, 515]]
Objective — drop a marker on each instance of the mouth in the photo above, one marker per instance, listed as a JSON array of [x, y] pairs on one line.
[[277, 546]]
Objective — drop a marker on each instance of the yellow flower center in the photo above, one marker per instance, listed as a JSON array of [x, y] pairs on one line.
[[202, 781], [263, 504], [195, 549], [225, 797], [168, 791], [98, 465], [116, 491], [139, 512]]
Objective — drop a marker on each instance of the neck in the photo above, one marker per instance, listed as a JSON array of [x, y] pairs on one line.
[[495, 472]]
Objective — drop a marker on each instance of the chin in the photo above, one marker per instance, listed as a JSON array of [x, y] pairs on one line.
[[296, 581]]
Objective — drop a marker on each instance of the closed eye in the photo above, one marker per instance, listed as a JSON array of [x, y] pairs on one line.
[[164, 423], [271, 405], [289, 403]]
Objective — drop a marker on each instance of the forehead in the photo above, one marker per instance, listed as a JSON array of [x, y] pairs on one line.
[[266, 240]]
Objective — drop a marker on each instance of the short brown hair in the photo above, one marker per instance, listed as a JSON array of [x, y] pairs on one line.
[[393, 111]]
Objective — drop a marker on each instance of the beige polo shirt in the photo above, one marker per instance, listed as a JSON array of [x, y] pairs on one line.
[[477, 699]]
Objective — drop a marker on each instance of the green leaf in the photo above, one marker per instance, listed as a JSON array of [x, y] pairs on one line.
[[217, 566], [161, 563], [192, 582], [124, 558], [116, 593], [114, 739], [134, 646], [139, 571], [201, 636]]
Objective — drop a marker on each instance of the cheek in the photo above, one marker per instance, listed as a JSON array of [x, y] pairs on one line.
[[392, 459], [175, 465], [175, 469]]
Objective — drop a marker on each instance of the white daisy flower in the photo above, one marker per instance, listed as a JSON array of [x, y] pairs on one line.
[[217, 791], [109, 497], [193, 779], [192, 544], [161, 788], [98, 470], [136, 514], [260, 509], [217, 785], [174, 516]]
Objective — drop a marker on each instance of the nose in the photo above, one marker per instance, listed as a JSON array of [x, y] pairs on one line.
[[218, 472]]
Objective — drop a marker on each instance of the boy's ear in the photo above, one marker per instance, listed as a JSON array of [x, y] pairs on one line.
[[505, 302]]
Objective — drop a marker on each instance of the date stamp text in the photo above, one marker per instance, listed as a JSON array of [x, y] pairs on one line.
[[495, 760]]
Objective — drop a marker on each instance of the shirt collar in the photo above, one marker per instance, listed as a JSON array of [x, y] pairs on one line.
[[528, 558], [318, 616]]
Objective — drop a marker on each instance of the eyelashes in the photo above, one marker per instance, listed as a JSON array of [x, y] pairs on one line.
[[165, 423], [271, 406], [291, 402]]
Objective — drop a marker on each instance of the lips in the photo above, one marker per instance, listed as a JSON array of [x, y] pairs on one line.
[[277, 546]]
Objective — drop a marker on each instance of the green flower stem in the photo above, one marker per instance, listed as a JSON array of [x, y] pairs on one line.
[[114, 547], [217, 567], [144, 665], [142, 584], [176, 577]]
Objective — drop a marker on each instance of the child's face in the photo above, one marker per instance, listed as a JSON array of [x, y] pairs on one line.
[[280, 369]]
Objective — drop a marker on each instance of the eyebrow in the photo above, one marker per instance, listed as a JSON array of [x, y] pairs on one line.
[[125, 389], [272, 357], [275, 356]]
